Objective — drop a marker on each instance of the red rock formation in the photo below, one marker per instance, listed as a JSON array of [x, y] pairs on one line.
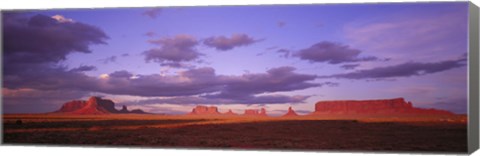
[[250, 112], [230, 113], [72, 106], [204, 110], [93, 106], [290, 113], [105, 104], [137, 111], [255, 112], [372, 107], [263, 112], [124, 110]]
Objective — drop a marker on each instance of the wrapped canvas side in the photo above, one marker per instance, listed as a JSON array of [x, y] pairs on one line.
[[473, 64]]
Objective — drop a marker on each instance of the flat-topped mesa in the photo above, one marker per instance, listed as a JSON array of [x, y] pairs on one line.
[[204, 110], [93, 106], [395, 106], [290, 113], [255, 112]]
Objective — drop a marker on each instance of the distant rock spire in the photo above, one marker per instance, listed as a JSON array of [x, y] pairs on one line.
[[290, 113]]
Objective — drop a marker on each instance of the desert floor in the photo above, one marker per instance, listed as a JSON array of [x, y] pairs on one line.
[[297, 133]]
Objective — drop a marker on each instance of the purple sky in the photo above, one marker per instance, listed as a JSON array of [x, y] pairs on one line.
[[166, 60]]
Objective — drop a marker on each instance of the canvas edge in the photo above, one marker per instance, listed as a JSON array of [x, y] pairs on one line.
[[1, 77], [473, 78]]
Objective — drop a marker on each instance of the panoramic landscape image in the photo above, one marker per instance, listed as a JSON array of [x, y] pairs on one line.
[[385, 77]]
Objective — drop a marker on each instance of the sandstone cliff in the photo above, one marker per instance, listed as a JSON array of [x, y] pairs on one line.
[[395, 106], [255, 112], [93, 106], [204, 110]]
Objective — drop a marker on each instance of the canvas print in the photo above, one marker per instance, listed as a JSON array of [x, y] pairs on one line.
[[338, 77]]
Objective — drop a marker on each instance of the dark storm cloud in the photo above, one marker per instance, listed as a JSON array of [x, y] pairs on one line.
[[173, 51], [332, 53], [152, 13], [402, 70], [119, 82], [48, 77], [33, 45], [225, 43], [33, 82], [43, 39], [205, 81]]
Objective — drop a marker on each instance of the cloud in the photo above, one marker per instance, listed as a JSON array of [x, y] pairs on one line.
[[83, 68], [284, 52], [188, 82], [62, 19], [332, 53], [47, 77], [152, 13], [274, 80], [34, 45], [204, 81], [201, 82], [402, 70], [25, 100], [33, 64], [173, 51], [33, 80], [224, 43], [267, 99], [43, 39], [121, 74], [108, 59], [349, 66]]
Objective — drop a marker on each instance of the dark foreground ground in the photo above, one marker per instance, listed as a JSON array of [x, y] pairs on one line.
[[267, 134]]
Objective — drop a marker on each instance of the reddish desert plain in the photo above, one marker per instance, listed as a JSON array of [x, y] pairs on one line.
[[401, 133]]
